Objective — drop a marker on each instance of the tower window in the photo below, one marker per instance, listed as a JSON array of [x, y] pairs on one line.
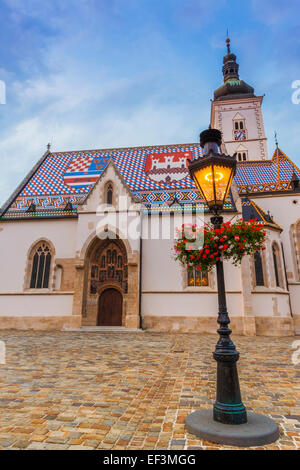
[[242, 156]]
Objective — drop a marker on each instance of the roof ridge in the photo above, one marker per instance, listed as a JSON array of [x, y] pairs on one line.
[[23, 183], [283, 154], [116, 149]]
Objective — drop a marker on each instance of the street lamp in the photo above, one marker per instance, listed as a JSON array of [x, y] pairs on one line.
[[213, 176]]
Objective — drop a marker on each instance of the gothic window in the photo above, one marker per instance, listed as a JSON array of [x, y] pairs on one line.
[[276, 264], [109, 194], [41, 264], [259, 274], [197, 278]]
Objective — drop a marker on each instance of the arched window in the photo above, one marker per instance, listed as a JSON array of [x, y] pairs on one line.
[[197, 278], [259, 274], [109, 194], [41, 264], [276, 263]]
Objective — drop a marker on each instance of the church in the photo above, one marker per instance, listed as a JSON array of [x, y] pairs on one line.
[[87, 237]]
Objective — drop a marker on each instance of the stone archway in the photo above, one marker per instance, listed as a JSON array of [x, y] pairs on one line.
[[93, 277], [106, 268]]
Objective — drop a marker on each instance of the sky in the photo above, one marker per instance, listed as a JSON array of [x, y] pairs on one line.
[[90, 74]]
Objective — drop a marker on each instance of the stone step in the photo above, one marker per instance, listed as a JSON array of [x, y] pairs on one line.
[[104, 329]]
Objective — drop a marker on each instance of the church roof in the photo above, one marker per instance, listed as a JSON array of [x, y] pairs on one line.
[[266, 176], [155, 175], [251, 210]]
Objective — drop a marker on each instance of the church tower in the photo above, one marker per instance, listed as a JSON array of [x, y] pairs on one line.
[[236, 112]]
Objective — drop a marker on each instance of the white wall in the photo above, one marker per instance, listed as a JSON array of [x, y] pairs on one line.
[[36, 305], [17, 237]]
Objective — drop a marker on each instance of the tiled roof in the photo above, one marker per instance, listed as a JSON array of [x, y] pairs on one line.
[[266, 175], [155, 175], [69, 176], [251, 210]]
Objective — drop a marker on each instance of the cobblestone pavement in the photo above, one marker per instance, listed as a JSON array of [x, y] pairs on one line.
[[133, 391]]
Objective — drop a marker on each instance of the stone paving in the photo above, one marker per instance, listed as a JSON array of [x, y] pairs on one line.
[[63, 390]]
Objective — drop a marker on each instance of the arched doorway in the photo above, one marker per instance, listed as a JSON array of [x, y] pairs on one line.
[[110, 306], [106, 284]]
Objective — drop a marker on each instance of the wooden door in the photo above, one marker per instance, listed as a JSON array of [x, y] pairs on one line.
[[110, 308]]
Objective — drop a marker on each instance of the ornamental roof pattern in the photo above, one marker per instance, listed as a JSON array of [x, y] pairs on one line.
[[251, 210], [155, 175], [266, 175]]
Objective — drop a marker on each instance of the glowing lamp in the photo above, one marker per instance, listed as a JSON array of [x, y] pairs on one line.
[[214, 172]]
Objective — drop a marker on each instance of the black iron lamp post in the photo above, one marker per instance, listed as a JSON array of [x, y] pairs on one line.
[[213, 176]]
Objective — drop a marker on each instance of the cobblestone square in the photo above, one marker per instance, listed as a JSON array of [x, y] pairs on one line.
[[69, 390]]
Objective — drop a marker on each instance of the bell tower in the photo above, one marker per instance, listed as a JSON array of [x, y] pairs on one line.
[[236, 112]]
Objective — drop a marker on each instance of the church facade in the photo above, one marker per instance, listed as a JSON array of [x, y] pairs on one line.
[[87, 237]]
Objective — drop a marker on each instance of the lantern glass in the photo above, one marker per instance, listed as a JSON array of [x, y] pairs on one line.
[[214, 181]]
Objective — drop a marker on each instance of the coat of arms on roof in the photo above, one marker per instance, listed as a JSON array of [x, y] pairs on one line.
[[85, 170], [167, 168]]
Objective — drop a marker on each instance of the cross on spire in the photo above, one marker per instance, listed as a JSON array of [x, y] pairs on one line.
[[276, 139]]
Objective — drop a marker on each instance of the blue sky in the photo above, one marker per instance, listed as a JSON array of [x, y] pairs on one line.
[[86, 74]]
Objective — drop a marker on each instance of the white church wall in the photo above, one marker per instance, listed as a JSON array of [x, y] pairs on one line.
[[22, 308], [16, 239], [164, 285], [36, 305], [271, 304], [285, 213]]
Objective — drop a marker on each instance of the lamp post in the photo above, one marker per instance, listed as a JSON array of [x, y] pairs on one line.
[[213, 176]]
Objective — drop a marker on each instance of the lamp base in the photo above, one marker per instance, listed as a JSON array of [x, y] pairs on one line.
[[259, 429]]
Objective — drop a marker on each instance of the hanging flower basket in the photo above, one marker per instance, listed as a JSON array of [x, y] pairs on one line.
[[201, 247]]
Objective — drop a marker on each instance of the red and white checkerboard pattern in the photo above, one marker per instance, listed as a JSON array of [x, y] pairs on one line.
[[81, 163]]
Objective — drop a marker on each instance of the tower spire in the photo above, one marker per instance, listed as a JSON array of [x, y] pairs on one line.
[[228, 42], [230, 68]]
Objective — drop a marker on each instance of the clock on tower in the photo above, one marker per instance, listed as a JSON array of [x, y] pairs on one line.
[[240, 134]]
